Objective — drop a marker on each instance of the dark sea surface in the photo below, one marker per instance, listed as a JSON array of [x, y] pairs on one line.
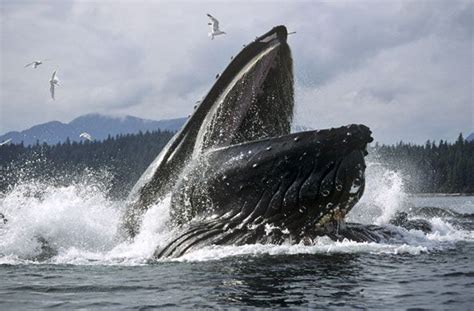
[[59, 250]]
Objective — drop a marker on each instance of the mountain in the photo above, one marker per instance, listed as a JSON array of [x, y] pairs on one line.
[[470, 137], [97, 125]]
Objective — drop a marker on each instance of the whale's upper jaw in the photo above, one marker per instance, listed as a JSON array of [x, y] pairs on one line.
[[251, 99]]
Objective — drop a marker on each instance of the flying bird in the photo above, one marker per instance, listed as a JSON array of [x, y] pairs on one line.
[[6, 142], [53, 83], [36, 63], [214, 23], [86, 135]]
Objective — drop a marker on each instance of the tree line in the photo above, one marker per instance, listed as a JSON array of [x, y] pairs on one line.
[[441, 167], [119, 161]]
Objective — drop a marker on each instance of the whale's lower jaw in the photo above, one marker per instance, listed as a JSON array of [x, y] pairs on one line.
[[289, 189]]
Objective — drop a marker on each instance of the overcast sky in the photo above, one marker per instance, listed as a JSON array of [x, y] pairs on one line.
[[404, 68]]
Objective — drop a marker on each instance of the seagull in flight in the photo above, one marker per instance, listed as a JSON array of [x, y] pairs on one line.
[[53, 83], [86, 135], [6, 142], [36, 63], [214, 23]]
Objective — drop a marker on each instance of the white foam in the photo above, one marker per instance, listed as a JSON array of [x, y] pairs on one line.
[[445, 232], [444, 236], [154, 234], [323, 245], [72, 216], [81, 224]]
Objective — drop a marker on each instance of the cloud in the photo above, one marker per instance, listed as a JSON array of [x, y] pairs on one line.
[[404, 68], [414, 89]]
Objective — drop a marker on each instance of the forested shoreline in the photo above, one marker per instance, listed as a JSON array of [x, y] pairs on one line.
[[118, 161], [441, 167]]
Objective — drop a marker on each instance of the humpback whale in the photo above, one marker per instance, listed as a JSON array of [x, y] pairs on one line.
[[236, 175]]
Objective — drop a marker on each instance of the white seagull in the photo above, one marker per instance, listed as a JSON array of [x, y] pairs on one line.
[[6, 142], [86, 135], [214, 23], [36, 63], [53, 83]]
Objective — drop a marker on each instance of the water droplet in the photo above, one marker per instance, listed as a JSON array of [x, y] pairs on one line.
[[329, 205], [268, 148], [254, 165], [339, 187], [296, 139], [349, 134], [325, 193]]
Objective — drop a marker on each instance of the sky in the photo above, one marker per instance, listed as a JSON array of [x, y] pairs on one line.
[[404, 68]]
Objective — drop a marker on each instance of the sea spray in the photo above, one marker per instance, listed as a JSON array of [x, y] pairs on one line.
[[154, 233], [81, 224], [384, 195], [75, 216]]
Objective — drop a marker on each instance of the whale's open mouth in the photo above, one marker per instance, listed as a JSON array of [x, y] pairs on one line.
[[252, 99], [234, 172]]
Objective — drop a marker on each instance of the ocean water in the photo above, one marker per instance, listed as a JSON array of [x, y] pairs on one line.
[[59, 249]]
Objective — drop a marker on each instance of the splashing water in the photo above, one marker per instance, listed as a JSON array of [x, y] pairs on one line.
[[384, 196], [75, 224], [60, 218], [79, 224]]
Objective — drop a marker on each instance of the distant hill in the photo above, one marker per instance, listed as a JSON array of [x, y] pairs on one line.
[[470, 137], [97, 125]]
